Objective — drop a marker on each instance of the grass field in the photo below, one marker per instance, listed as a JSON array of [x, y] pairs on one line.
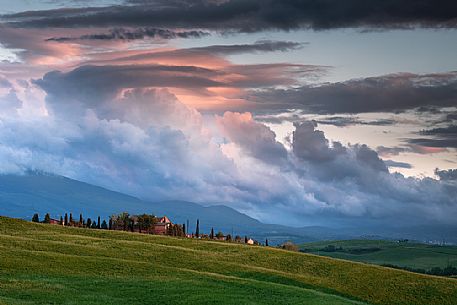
[[45, 264], [413, 255]]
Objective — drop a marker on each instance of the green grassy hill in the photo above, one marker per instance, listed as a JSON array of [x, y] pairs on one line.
[[45, 264], [412, 255]]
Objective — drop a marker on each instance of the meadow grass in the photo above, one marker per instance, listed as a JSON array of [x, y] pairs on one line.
[[410, 254], [46, 264]]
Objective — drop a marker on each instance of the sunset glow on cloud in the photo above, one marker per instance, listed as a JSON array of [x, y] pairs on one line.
[[231, 102]]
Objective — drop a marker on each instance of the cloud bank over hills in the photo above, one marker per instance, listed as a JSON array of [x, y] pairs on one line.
[[233, 102], [145, 142]]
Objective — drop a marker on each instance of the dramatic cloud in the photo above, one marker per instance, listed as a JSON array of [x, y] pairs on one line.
[[259, 46], [390, 93], [134, 34], [392, 163], [251, 15], [146, 143], [349, 121], [409, 148], [447, 175], [101, 95], [104, 82], [440, 137]]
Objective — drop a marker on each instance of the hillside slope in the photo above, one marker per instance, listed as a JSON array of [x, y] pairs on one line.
[[45, 264], [406, 254]]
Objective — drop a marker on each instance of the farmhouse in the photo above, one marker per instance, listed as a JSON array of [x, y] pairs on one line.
[[161, 226], [54, 221]]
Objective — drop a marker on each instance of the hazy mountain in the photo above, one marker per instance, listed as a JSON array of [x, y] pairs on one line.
[[22, 196]]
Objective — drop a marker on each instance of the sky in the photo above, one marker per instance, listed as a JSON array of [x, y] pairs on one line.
[[295, 112]]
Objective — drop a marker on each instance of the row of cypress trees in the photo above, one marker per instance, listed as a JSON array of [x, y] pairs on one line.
[[70, 222], [174, 230]]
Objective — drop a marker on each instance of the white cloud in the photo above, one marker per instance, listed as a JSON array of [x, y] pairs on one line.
[[146, 143]]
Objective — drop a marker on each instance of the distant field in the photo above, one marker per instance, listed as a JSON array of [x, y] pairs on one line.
[[45, 264], [379, 252]]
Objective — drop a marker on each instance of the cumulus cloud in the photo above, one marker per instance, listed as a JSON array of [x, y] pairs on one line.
[[251, 15], [145, 142]]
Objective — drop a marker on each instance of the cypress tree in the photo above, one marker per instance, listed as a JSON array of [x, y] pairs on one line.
[[110, 226], [61, 221], [81, 221], [197, 229], [94, 225], [104, 226], [88, 223], [71, 219], [98, 223], [184, 229], [245, 239], [35, 218], [211, 235], [66, 219], [266, 242], [47, 218]]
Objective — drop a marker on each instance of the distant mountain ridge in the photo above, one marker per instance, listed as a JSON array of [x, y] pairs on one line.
[[23, 195]]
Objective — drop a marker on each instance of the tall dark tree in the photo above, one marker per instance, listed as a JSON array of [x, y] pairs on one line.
[[184, 229], [88, 223], [94, 225], [104, 226], [35, 218], [228, 237], [266, 242], [211, 235], [71, 219], [61, 221], [131, 224], [98, 223], [66, 219], [110, 224], [245, 239], [47, 218], [81, 220], [197, 229]]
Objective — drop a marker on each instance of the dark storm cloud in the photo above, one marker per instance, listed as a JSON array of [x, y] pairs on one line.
[[133, 34], [389, 93], [391, 163], [259, 46], [252, 15], [443, 132], [90, 83], [447, 175], [340, 121], [439, 143], [439, 137]]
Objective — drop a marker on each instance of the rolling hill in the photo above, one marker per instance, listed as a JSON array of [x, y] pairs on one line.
[[380, 252], [47, 264]]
